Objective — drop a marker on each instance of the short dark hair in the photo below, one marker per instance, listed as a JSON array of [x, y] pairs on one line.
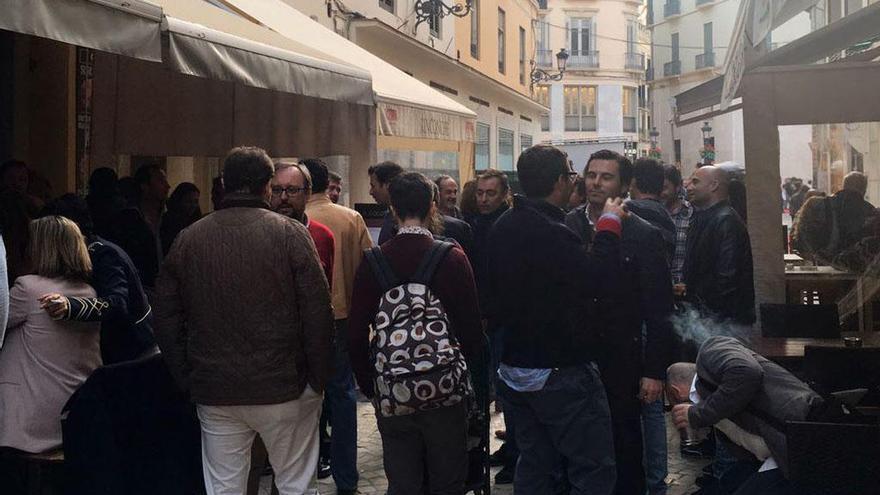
[[247, 168], [103, 181], [491, 173], [624, 166], [319, 172], [673, 175], [411, 195], [73, 208], [649, 175], [539, 169], [334, 177], [144, 173], [385, 171]]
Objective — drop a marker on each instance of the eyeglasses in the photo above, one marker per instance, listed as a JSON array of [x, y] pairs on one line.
[[291, 191]]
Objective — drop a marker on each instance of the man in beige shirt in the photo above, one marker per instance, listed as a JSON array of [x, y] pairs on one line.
[[352, 238]]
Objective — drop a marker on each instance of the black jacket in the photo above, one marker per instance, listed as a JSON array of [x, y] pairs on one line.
[[540, 280], [718, 268], [133, 234], [479, 255], [755, 393], [460, 231], [121, 305], [656, 214], [646, 300]]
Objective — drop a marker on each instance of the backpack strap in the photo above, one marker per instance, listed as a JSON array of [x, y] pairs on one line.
[[429, 263], [381, 269]]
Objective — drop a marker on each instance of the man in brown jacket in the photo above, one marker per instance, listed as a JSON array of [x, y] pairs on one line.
[[244, 320]]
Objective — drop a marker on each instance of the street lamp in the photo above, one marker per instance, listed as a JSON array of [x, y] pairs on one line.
[[708, 151], [541, 75], [437, 9]]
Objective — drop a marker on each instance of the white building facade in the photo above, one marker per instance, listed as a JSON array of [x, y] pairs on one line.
[[602, 100]]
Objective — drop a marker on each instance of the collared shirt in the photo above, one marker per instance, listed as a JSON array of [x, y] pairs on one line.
[[351, 239], [749, 441], [682, 219]]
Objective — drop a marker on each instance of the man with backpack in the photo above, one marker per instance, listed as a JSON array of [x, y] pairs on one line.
[[419, 296]]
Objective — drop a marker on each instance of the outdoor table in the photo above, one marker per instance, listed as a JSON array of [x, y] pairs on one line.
[[789, 352]]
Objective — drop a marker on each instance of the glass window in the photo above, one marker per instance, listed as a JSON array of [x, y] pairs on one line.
[[505, 150], [707, 37], [502, 67], [629, 109], [525, 142], [675, 47], [580, 108], [481, 147], [475, 28], [542, 96], [522, 55], [387, 5], [580, 36]]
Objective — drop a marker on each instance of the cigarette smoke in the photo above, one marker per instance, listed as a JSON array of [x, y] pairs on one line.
[[695, 328]]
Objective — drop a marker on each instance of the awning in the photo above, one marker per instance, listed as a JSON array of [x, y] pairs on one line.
[[390, 84], [205, 41], [124, 27], [814, 46]]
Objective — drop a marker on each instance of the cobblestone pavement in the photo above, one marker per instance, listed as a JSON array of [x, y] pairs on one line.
[[682, 471]]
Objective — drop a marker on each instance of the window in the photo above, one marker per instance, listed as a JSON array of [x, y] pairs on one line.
[[580, 108], [852, 6], [475, 29], [580, 36], [707, 37], [629, 109], [505, 150], [522, 55], [675, 47], [502, 67], [525, 142], [387, 5], [677, 150], [481, 147], [632, 35], [542, 96], [434, 25]]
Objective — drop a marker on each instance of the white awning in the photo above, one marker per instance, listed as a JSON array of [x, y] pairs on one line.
[[124, 27], [390, 84]]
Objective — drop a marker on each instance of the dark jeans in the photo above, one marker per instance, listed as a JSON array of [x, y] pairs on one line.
[[621, 381], [566, 423], [435, 441], [341, 398]]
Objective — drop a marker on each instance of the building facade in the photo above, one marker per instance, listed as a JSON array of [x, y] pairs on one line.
[[479, 60], [602, 101]]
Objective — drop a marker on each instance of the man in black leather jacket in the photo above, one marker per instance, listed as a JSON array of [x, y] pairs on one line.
[[718, 269]]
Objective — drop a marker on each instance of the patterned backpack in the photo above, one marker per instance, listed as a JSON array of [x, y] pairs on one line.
[[418, 362]]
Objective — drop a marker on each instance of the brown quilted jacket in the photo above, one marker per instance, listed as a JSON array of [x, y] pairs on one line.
[[242, 309]]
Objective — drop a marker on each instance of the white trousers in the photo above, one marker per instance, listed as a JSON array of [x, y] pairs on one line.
[[289, 430]]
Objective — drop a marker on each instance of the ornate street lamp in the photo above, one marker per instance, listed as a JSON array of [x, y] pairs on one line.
[[427, 9], [708, 151], [540, 75]]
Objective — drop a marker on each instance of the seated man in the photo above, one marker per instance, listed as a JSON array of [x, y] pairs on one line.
[[748, 398]]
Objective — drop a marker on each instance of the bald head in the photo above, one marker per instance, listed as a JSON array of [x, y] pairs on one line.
[[856, 182], [708, 186]]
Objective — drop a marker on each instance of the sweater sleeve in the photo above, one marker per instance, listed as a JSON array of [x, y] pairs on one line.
[[364, 305], [169, 322]]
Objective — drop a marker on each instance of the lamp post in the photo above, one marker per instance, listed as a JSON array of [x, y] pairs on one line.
[[427, 9], [708, 151], [540, 75]]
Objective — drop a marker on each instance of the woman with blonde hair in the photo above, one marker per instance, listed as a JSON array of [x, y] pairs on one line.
[[42, 360]]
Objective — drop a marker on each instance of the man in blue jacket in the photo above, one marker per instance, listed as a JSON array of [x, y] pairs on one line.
[[540, 280]]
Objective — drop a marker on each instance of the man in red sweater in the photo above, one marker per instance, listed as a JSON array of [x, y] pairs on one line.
[[434, 440], [291, 187]]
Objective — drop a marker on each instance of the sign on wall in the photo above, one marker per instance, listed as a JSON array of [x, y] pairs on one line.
[[411, 122]]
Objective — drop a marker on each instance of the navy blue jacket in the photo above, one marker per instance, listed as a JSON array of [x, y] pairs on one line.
[[121, 305], [540, 282]]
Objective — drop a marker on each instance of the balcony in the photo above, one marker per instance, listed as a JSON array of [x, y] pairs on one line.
[[544, 58], [700, 3], [542, 4], [671, 8], [705, 60], [672, 68], [583, 59], [635, 61]]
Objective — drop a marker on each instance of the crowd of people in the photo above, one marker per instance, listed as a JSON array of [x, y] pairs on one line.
[[273, 312]]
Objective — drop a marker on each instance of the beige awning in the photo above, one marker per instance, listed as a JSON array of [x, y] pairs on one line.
[[390, 84], [124, 27]]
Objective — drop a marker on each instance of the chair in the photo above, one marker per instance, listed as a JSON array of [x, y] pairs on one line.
[[833, 459], [844, 368], [128, 430], [820, 321]]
